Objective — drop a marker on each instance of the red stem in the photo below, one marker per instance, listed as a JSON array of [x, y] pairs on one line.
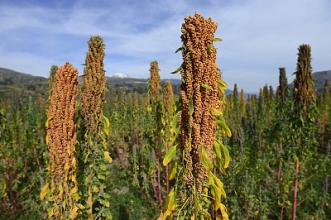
[[295, 191]]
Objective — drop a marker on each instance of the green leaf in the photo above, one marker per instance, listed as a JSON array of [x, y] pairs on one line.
[[173, 171], [169, 155], [219, 185], [179, 49], [205, 160], [217, 39], [217, 150], [171, 201], [223, 126], [177, 70], [222, 85], [215, 112], [206, 86], [226, 154]]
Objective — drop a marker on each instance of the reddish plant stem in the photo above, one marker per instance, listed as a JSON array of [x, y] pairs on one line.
[[279, 172], [159, 182], [295, 191], [153, 187]]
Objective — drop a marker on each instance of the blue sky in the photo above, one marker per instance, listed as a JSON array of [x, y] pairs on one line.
[[258, 35]]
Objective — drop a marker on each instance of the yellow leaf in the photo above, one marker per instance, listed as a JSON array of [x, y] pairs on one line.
[[173, 172], [47, 121], [95, 189], [219, 185], [106, 126], [171, 202], [73, 213], [74, 190], [226, 154], [106, 203], [50, 212], [220, 206], [80, 206], [43, 192], [215, 112], [107, 157], [169, 155], [162, 216], [205, 160]]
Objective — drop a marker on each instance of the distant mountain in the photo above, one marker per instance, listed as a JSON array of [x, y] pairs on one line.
[[320, 78], [130, 84], [13, 83]]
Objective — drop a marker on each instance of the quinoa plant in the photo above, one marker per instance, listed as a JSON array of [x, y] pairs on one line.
[[198, 192], [61, 189], [95, 128]]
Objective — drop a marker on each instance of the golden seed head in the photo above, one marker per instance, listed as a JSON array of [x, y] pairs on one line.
[[61, 131], [94, 86], [199, 69], [154, 81], [304, 90]]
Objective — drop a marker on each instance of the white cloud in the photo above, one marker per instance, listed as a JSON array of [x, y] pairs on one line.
[[258, 35]]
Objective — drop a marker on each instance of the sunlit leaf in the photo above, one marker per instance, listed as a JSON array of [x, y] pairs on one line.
[[169, 155]]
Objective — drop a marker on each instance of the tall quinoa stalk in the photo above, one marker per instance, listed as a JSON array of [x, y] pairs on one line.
[[303, 118], [282, 90], [51, 79], [95, 133], [94, 86], [304, 89], [154, 92], [154, 86], [60, 192], [242, 105], [198, 190]]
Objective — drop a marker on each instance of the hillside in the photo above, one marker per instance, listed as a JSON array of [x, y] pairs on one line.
[[320, 78], [13, 83]]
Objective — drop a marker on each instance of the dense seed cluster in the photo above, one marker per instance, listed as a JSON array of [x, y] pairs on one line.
[[282, 91], [304, 91], [154, 82], [198, 90], [168, 97], [94, 86], [61, 132], [51, 79]]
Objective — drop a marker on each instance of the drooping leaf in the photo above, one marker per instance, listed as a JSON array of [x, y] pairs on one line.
[[226, 154], [215, 112], [206, 86], [73, 213], [217, 150], [171, 201], [217, 39], [219, 185], [107, 157], [205, 160], [177, 70], [173, 171], [169, 155], [43, 192], [179, 49]]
